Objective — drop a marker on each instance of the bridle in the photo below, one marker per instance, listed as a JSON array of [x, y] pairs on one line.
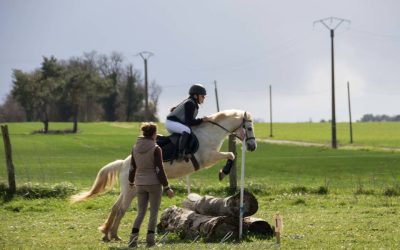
[[243, 125]]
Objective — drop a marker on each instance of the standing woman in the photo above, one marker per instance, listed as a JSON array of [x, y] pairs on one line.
[[148, 176]]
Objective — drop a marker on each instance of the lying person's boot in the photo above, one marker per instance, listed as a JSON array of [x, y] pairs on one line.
[[225, 170]]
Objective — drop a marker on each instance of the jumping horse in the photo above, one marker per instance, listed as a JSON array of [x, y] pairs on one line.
[[210, 136]]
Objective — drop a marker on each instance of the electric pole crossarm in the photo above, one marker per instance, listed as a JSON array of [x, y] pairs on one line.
[[331, 21]]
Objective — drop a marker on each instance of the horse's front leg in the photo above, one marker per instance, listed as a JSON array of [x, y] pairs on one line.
[[217, 156]]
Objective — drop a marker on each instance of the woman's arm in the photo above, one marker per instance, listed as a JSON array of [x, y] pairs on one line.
[[159, 166], [132, 171]]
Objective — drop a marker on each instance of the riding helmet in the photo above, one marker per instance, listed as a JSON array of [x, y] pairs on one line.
[[197, 89]]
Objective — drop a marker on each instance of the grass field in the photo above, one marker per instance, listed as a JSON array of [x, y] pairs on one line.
[[369, 134], [330, 199]]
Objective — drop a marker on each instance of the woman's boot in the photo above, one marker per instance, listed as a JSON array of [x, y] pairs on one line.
[[150, 239], [134, 238]]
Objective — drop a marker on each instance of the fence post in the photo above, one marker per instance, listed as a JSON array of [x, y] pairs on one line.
[[233, 173], [9, 163]]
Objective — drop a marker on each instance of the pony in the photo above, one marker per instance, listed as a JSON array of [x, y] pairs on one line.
[[210, 136]]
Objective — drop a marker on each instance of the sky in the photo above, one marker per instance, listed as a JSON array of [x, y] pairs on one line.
[[244, 45]]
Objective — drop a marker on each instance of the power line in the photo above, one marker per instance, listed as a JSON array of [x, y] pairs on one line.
[[377, 35]]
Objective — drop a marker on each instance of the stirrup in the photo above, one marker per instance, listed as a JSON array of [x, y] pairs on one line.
[[181, 156]]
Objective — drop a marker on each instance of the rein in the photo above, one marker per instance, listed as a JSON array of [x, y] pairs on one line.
[[231, 132]]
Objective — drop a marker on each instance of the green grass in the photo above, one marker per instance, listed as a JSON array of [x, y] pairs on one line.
[[330, 199], [73, 157], [76, 158], [371, 134], [317, 222]]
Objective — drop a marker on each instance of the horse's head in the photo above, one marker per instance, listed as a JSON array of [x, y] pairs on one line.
[[248, 132], [238, 123]]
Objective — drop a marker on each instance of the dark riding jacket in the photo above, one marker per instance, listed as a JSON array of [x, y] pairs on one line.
[[186, 112]]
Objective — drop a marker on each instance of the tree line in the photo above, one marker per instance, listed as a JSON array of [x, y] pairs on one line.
[[380, 118], [91, 87]]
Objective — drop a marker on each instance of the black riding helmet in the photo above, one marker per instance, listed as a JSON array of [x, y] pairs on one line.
[[197, 89]]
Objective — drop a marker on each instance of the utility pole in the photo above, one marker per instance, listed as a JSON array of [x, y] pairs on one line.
[[145, 55], [350, 123], [332, 23], [270, 111], [216, 95]]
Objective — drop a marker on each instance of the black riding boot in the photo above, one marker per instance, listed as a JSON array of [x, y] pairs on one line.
[[183, 140]]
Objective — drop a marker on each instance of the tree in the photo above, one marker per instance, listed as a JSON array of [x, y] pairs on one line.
[[133, 95], [111, 69], [23, 89], [88, 88], [379, 118], [155, 91], [12, 111], [51, 77], [36, 91], [91, 109], [82, 82]]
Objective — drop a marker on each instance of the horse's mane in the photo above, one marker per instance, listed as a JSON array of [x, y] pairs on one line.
[[217, 117]]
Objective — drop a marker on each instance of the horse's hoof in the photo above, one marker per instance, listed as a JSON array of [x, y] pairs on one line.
[[221, 175], [102, 229], [106, 239], [116, 238]]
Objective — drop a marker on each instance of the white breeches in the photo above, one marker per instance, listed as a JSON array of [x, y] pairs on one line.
[[176, 127]]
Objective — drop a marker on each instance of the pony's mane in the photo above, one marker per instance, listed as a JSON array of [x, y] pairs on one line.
[[217, 117]]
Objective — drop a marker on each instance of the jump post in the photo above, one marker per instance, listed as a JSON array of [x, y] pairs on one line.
[[241, 210], [233, 173], [8, 154]]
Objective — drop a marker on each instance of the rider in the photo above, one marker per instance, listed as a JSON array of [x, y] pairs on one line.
[[183, 116]]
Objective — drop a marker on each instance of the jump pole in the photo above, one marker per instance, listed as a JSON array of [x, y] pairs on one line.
[[188, 183], [241, 210]]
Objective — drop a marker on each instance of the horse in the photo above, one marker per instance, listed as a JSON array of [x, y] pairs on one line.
[[210, 136]]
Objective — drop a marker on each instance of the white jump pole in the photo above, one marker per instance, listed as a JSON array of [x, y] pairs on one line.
[[241, 210], [188, 183]]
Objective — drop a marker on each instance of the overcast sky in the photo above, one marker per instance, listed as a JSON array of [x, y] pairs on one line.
[[244, 45]]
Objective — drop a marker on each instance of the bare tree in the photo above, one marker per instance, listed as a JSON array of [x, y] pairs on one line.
[[11, 111], [111, 69]]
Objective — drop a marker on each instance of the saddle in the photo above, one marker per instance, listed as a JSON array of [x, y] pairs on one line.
[[170, 145]]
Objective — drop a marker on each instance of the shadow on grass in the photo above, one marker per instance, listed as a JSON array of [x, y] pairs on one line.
[[54, 132]]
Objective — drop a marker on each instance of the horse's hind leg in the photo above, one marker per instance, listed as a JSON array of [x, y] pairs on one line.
[[105, 228], [120, 212]]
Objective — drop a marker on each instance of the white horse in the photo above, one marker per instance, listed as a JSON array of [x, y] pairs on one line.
[[210, 136]]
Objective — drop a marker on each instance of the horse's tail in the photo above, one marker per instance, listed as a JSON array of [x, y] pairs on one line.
[[106, 178]]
